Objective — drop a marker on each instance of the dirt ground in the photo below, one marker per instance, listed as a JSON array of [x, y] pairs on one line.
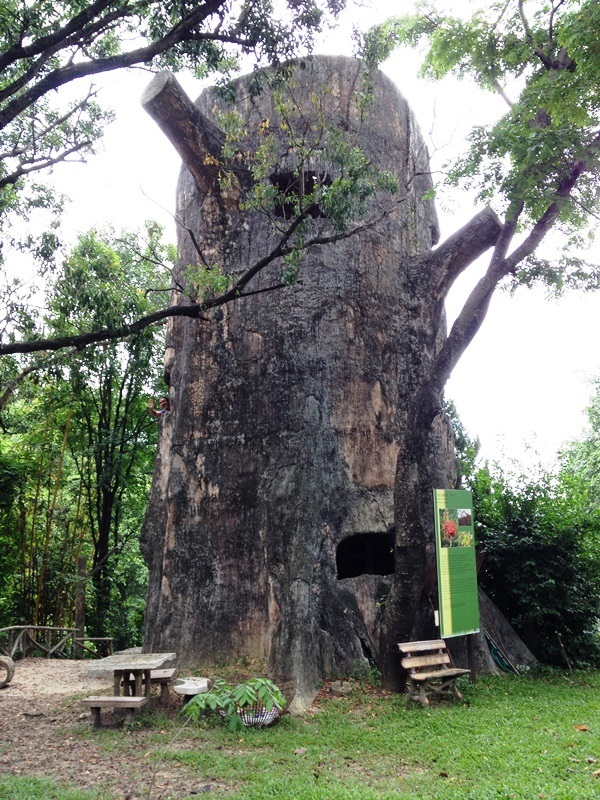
[[44, 733]]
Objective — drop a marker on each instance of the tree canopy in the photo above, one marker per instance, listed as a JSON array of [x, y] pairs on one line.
[[48, 49], [538, 164], [77, 447]]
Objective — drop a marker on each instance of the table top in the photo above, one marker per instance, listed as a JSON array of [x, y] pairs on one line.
[[131, 661]]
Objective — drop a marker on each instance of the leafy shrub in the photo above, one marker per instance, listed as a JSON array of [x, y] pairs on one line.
[[542, 564], [238, 705]]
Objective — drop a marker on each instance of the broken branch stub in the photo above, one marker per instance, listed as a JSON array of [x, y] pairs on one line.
[[197, 140]]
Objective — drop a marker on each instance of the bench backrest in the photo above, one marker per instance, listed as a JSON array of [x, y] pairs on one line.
[[420, 655]]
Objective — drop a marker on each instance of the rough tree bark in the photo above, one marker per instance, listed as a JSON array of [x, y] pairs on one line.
[[296, 415], [413, 507]]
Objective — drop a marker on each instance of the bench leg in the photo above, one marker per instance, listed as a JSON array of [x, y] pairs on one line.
[[417, 691], [164, 693], [129, 715], [96, 721], [455, 691]]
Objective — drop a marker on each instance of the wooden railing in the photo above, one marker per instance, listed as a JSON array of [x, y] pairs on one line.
[[18, 641]]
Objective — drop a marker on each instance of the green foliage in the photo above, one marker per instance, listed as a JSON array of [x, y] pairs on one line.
[[229, 701], [202, 283], [582, 458], [564, 273], [542, 560], [13, 474], [543, 59], [46, 47], [79, 435], [109, 279], [466, 449], [355, 183], [330, 183]]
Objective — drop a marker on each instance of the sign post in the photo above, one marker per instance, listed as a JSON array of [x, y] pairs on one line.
[[456, 565]]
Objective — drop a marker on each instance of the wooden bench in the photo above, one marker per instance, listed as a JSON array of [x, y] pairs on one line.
[[162, 677], [129, 704], [430, 670]]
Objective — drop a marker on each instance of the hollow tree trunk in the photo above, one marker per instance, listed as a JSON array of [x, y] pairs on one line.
[[271, 516]]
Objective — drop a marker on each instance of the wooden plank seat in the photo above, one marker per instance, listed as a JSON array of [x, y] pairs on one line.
[[129, 704], [162, 677], [430, 670]]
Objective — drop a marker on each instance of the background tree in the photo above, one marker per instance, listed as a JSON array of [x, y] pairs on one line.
[[103, 283], [466, 447], [582, 457], [83, 444]]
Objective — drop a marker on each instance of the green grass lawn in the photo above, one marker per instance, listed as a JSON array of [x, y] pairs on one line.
[[523, 737]]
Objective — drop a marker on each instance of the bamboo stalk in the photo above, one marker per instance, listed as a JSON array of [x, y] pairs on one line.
[[50, 517]]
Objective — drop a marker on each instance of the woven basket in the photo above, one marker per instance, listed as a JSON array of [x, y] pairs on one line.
[[256, 716]]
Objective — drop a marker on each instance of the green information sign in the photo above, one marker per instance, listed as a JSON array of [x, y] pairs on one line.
[[456, 565]]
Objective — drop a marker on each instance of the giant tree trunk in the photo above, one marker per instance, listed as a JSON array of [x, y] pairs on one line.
[[270, 529]]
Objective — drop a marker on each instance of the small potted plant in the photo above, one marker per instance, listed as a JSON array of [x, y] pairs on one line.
[[258, 702]]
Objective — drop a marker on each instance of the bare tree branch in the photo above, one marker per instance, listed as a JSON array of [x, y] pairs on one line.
[[194, 310], [42, 163], [183, 31]]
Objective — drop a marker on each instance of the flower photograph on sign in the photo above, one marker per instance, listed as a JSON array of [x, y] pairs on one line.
[[449, 527], [452, 520]]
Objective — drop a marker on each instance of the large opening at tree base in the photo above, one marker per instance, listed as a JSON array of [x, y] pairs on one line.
[[365, 554]]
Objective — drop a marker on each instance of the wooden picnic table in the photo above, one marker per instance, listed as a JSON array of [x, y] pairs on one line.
[[131, 670]]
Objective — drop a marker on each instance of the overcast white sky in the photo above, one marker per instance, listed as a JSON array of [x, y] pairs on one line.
[[524, 380]]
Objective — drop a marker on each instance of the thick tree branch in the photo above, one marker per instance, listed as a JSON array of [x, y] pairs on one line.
[[51, 41], [547, 62], [183, 31], [476, 306], [192, 310], [37, 66], [197, 140], [442, 266], [547, 220]]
